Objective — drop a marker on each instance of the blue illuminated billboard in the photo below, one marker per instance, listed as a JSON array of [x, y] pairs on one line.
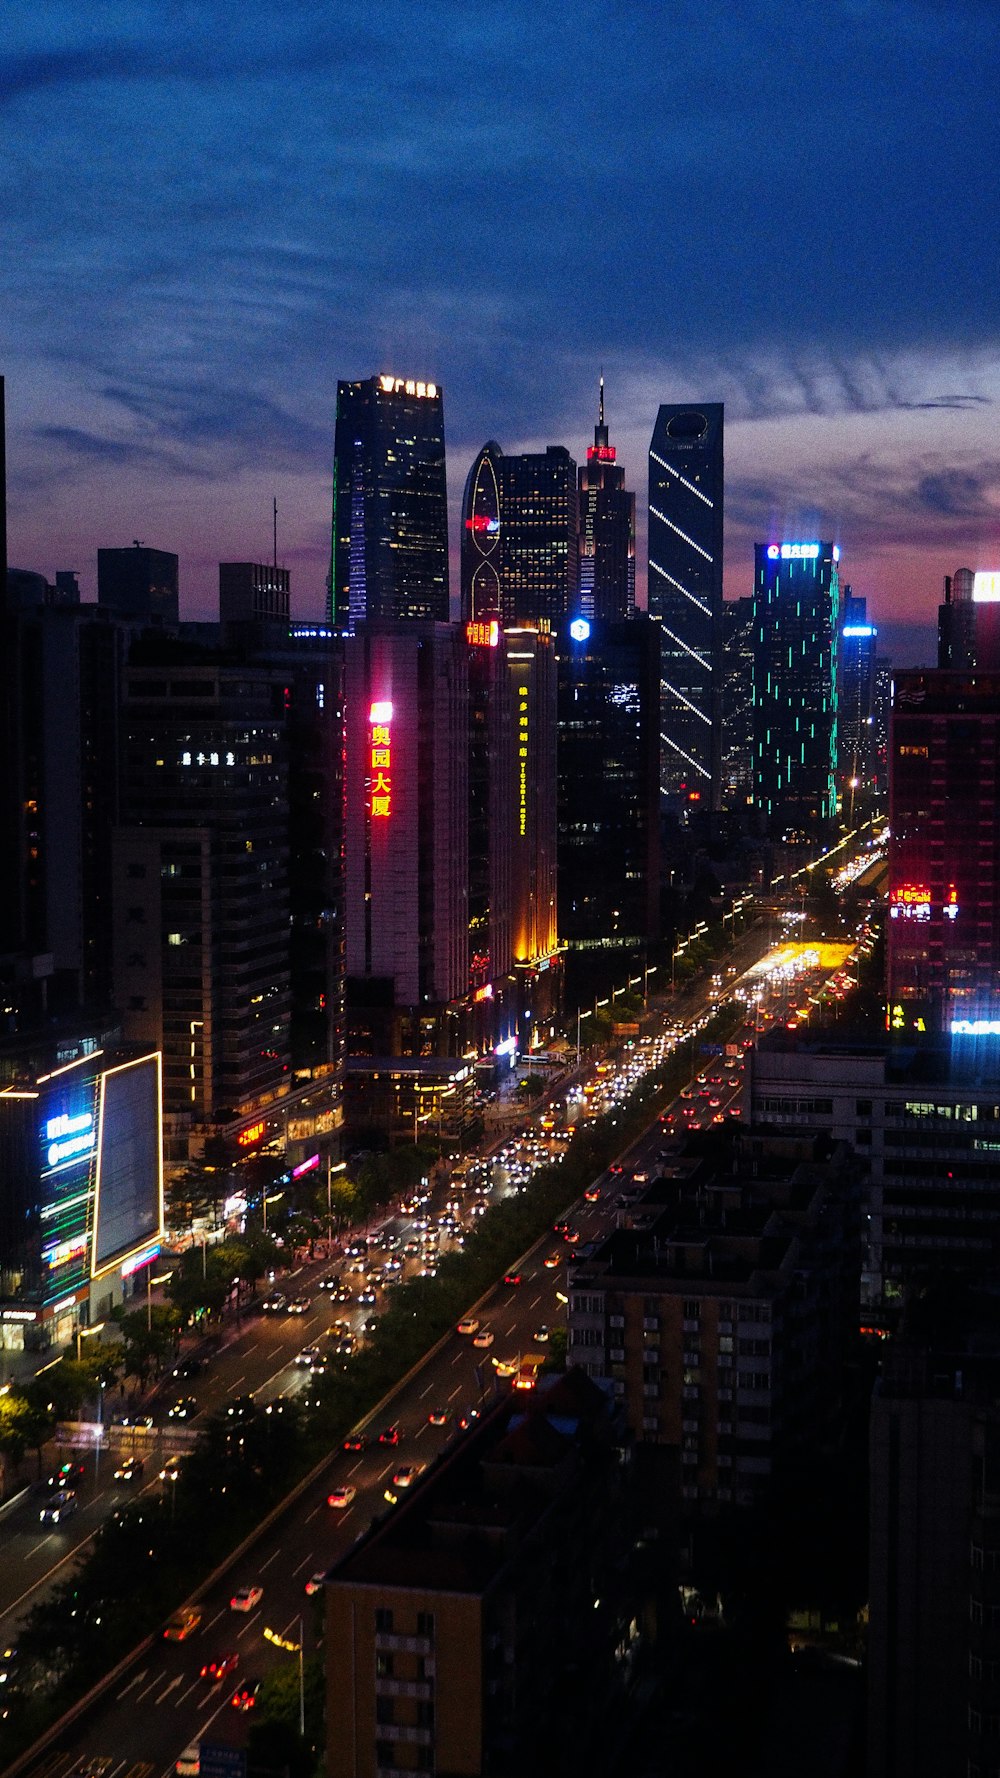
[[128, 1206]]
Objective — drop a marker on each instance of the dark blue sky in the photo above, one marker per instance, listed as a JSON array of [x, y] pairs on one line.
[[213, 211]]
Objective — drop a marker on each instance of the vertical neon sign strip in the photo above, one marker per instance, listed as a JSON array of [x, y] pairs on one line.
[[380, 760]]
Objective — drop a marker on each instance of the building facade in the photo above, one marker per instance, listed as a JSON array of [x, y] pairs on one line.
[[406, 761], [924, 1121], [139, 582], [539, 536], [858, 760], [607, 532], [253, 592], [481, 545], [723, 1316], [201, 951], [686, 466], [796, 620], [609, 781], [485, 1627], [737, 705], [81, 1211], [943, 941], [933, 1662], [390, 504]]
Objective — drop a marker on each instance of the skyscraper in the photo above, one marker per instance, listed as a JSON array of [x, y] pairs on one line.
[[685, 595], [943, 946], [406, 837], [390, 503], [253, 592], [609, 781], [856, 708], [796, 622], [607, 532], [481, 541], [538, 536]]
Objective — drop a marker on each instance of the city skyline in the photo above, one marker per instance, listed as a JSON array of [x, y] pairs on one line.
[[212, 232]]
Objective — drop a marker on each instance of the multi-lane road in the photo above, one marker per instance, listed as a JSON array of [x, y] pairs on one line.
[[161, 1705]]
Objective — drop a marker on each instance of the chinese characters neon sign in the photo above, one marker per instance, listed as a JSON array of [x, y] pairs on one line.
[[911, 901], [522, 760], [380, 760], [253, 1133], [483, 632]]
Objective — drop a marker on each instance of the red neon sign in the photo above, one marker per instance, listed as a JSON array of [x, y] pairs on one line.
[[479, 522], [483, 632], [603, 453], [380, 760], [251, 1134]]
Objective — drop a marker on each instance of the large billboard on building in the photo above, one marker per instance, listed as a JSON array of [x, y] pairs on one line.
[[128, 1185]]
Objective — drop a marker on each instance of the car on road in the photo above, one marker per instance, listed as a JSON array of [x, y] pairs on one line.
[[551, 1261], [540, 1335], [246, 1697], [300, 1305], [367, 1297], [467, 1418], [341, 1497], [483, 1340], [245, 1598], [592, 1194], [130, 1470], [315, 1582], [183, 1623], [183, 1408], [172, 1467], [512, 1277], [241, 1407], [330, 1282], [407, 1474], [59, 1506], [273, 1304], [355, 1441], [188, 1367], [68, 1475], [219, 1669], [571, 1237], [307, 1357], [440, 1416], [389, 1435], [468, 1325], [145, 1421], [505, 1367], [188, 1763]]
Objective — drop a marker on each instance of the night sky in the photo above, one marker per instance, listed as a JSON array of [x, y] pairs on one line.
[[213, 211]]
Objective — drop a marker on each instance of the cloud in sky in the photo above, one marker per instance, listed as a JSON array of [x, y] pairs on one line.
[[219, 211]]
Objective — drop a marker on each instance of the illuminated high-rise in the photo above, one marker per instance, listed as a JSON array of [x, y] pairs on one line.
[[685, 595], [607, 532], [481, 540], [796, 626], [538, 536], [390, 503]]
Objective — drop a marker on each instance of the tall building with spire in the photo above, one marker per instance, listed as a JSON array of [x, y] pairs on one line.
[[390, 503], [685, 595], [481, 541], [607, 531]]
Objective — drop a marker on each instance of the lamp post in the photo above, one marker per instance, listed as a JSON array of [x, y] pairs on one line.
[[302, 1685]]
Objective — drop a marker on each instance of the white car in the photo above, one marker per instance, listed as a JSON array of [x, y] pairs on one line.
[[468, 1325], [246, 1598], [483, 1339]]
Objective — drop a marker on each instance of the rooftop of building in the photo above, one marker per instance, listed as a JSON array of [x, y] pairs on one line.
[[733, 1220], [938, 1060], [469, 1515]]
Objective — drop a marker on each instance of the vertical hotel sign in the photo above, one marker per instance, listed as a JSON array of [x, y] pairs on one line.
[[522, 759], [380, 795]]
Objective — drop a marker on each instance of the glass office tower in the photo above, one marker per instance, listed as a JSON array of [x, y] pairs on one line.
[[390, 503], [796, 620], [685, 595]]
